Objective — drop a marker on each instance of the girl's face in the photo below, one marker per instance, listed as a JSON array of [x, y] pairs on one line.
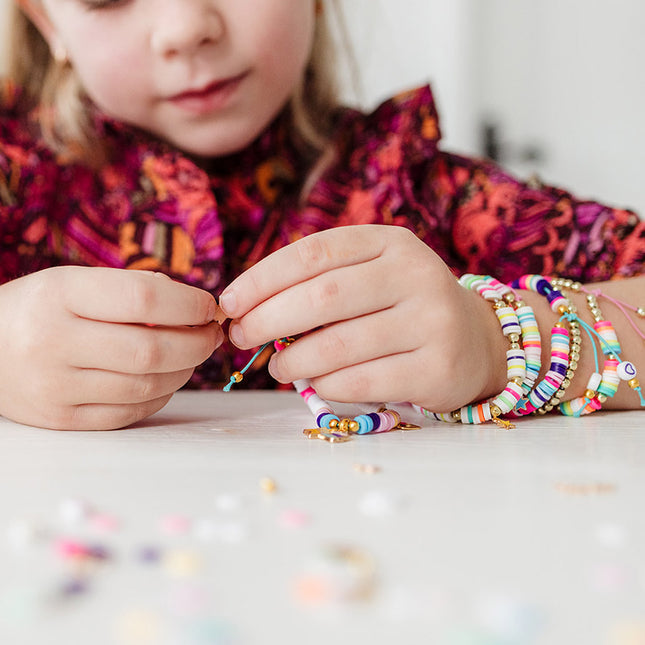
[[205, 75]]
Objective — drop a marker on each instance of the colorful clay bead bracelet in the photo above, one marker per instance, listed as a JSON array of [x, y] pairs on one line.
[[565, 349], [520, 375]]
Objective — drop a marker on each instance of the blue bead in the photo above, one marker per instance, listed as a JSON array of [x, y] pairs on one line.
[[326, 419], [365, 424]]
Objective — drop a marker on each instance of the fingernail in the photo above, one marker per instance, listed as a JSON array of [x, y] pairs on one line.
[[227, 301], [274, 370], [237, 335]]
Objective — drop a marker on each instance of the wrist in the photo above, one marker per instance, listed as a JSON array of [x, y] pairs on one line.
[[489, 349]]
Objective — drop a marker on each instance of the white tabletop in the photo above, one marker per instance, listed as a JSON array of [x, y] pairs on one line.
[[463, 536]]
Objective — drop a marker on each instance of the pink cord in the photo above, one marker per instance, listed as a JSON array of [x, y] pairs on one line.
[[620, 304]]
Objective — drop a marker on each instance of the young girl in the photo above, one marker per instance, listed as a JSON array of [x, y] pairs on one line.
[[202, 140]]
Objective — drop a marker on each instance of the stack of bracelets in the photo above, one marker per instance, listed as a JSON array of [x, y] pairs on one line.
[[523, 393]]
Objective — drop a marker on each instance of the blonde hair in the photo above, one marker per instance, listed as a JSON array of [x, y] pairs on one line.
[[64, 111]]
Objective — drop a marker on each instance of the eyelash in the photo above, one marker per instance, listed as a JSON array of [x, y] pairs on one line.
[[95, 5]]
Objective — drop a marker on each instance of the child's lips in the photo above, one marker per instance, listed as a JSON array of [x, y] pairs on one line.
[[210, 97]]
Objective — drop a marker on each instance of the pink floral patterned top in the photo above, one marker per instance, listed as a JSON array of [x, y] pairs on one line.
[[152, 207]]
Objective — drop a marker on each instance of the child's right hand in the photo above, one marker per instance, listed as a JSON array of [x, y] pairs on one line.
[[97, 348]]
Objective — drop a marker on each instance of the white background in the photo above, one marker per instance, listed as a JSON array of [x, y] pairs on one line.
[[563, 75]]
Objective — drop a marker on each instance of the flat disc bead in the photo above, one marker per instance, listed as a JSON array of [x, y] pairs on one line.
[[508, 399], [365, 424]]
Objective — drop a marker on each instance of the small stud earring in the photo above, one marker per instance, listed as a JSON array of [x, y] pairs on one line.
[[59, 52]]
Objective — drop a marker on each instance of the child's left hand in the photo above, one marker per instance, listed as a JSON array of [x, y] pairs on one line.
[[390, 321]]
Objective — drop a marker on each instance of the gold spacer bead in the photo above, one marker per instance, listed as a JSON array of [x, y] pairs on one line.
[[575, 286], [499, 304], [602, 398], [495, 411], [589, 394], [559, 325], [237, 376], [641, 312], [575, 356], [509, 298], [541, 411], [566, 383], [563, 309], [353, 426], [547, 408], [333, 424], [518, 380], [568, 376], [573, 365], [344, 425], [514, 338], [456, 415], [634, 383]]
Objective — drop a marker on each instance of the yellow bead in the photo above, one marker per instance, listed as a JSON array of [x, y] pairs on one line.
[[237, 376], [268, 485], [634, 383]]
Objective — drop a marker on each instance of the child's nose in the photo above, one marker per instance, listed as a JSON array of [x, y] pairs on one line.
[[183, 26]]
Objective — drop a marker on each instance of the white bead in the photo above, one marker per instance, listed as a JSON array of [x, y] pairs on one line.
[[594, 382], [73, 511], [626, 371]]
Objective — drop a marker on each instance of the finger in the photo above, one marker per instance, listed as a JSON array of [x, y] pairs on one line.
[[99, 416], [137, 349], [336, 295], [98, 386], [119, 295], [309, 257], [389, 378], [345, 344]]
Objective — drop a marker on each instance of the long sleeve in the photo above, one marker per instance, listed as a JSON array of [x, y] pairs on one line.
[[507, 227]]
